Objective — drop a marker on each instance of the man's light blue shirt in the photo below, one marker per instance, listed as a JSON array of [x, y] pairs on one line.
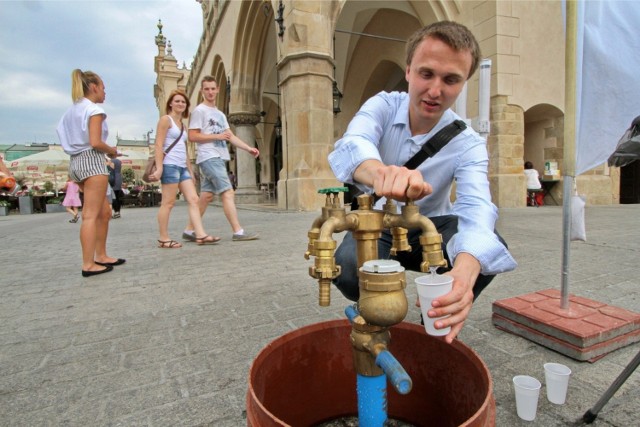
[[380, 131]]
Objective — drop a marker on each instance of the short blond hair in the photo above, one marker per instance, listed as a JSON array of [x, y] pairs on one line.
[[455, 35]]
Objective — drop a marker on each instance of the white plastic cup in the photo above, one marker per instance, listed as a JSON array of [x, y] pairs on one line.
[[431, 286], [557, 379], [527, 392]]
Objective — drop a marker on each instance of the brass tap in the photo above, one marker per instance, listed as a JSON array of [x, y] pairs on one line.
[[383, 302], [322, 246], [332, 207], [430, 239]]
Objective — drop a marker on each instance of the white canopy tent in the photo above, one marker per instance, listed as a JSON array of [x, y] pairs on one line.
[[41, 167]]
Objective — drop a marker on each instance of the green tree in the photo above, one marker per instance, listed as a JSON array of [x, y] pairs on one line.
[[48, 186]]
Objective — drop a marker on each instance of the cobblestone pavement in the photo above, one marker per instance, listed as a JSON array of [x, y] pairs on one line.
[[168, 338]]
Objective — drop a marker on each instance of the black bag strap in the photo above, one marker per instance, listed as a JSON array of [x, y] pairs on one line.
[[173, 144], [429, 149], [435, 143]]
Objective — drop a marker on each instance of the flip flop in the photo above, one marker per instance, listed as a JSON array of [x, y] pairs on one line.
[[169, 244], [207, 240]]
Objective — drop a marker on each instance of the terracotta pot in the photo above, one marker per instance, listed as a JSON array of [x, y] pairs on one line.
[[306, 377]]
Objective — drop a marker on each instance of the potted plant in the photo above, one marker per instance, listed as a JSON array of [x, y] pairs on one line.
[[4, 207], [48, 187], [25, 201], [54, 205]]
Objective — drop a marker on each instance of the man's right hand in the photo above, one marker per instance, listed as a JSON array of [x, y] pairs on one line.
[[393, 182]]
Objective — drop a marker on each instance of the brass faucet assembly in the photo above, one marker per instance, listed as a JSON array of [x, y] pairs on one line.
[[383, 302]]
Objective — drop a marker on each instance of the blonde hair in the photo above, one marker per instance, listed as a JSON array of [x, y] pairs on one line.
[[80, 81]]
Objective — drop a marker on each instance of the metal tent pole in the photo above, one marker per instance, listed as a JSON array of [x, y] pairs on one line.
[[569, 148]]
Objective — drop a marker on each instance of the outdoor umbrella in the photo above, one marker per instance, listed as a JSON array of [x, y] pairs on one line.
[[38, 167]]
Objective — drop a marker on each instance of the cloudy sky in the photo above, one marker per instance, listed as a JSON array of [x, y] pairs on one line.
[[42, 41]]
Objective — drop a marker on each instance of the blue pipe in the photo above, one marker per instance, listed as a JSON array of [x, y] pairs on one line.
[[372, 400], [351, 312], [398, 377], [372, 391]]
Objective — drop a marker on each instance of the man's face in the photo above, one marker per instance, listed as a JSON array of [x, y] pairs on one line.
[[209, 91], [436, 76]]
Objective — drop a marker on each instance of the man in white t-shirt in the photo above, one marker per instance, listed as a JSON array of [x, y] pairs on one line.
[[209, 129]]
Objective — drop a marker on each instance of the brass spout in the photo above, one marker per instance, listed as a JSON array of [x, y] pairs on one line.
[[323, 248], [400, 242], [430, 239], [324, 269], [331, 205]]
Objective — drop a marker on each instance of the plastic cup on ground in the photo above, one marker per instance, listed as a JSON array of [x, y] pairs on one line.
[[527, 391], [431, 286], [557, 379]]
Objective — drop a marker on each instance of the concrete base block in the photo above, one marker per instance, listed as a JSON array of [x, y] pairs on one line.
[[586, 331]]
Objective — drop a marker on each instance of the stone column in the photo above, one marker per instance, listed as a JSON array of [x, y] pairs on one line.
[[305, 71], [506, 150], [306, 86], [244, 124]]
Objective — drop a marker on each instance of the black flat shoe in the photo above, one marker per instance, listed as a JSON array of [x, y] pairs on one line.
[[86, 273], [120, 261]]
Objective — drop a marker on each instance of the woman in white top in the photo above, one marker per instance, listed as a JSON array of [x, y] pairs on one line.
[[533, 177], [174, 171], [82, 132]]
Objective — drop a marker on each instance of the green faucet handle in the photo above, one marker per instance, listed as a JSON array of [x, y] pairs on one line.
[[333, 190]]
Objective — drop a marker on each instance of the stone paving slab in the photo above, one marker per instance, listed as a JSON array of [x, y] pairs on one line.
[[168, 338]]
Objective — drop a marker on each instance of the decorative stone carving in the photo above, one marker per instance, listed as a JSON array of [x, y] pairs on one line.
[[244, 119]]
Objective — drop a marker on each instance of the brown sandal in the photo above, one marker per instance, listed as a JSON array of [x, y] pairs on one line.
[[207, 240], [169, 244]]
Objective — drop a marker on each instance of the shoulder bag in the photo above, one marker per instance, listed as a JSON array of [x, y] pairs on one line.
[[429, 149], [151, 163]]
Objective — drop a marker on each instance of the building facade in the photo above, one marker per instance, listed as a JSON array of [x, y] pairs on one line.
[[276, 63]]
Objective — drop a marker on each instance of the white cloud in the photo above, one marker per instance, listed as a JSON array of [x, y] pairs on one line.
[[19, 91], [116, 39]]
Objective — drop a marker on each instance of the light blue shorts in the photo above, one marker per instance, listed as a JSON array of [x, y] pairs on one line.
[[173, 174], [213, 176]]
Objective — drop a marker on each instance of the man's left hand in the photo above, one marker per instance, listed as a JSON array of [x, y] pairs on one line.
[[459, 301]]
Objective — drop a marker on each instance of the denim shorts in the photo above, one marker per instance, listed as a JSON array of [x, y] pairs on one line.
[[86, 164], [213, 176], [173, 174]]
